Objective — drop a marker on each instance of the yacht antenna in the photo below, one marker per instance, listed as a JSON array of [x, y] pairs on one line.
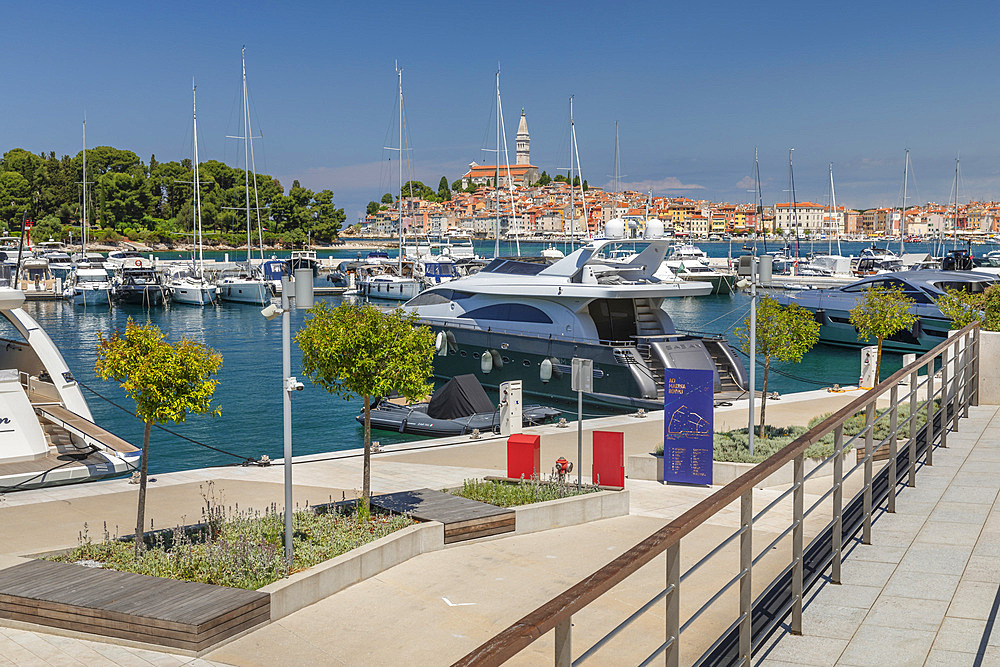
[[902, 216]]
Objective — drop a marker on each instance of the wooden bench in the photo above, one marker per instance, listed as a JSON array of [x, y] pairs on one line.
[[463, 519], [185, 615]]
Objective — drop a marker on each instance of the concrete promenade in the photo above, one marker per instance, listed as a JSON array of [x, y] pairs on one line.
[[435, 607], [926, 591]]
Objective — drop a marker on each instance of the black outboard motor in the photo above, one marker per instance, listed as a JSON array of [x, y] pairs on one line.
[[957, 260]]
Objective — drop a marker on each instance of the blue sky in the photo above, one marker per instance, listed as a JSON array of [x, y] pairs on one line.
[[694, 86]]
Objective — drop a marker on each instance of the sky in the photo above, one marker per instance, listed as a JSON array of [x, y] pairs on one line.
[[694, 87]]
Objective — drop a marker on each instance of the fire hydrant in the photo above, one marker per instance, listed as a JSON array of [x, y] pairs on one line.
[[563, 468]]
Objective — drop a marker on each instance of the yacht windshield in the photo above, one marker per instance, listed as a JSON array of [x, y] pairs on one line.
[[513, 267]]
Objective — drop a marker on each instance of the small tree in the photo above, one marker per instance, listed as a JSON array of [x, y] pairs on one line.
[[964, 308], [167, 381], [783, 333], [359, 350], [883, 311]]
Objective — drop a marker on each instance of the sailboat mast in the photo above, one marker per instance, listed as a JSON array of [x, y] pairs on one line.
[[197, 183], [84, 230], [954, 220], [496, 179], [572, 207], [759, 213], [902, 214], [614, 199], [399, 80], [795, 208], [246, 149], [833, 205]]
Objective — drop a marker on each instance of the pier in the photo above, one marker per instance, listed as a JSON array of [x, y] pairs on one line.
[[443, 604]]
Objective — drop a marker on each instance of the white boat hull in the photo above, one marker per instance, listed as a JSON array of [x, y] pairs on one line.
[[92, 297], [255, 292], [399, 290], [193, 294]]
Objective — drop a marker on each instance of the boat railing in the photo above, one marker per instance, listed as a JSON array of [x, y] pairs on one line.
[[940, 387]]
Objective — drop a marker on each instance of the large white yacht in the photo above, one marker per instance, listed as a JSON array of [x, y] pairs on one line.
[[47, 433], [517, 320]]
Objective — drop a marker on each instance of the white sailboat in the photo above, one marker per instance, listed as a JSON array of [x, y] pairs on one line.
[[382, 282], [247, 286], [89, 283], [190, 287]]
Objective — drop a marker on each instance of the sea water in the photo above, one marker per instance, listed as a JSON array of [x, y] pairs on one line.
[[249, 391]]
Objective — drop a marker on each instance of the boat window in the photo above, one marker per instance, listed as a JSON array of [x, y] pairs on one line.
[[614, 318], [909, 290], [514, 267], [972, 286], [508, 312], [435, 296]]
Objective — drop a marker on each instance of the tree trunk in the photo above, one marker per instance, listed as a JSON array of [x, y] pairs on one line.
[[763, 395], [140, 518], [878, 362], [366, 483]]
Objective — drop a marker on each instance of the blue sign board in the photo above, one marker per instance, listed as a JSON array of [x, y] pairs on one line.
[[687, 426]]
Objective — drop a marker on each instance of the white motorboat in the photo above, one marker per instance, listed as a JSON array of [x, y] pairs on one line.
[[89, 286], [35, 277], [49, 436], [518, 320], [122, 259]]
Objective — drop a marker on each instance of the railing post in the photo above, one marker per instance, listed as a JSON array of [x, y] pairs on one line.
[[976, 335], [564, 643], [798, 508], [966, 373], [893, 445], [838, 501], [672, 654], [746, 565], [958, 381], [944, 396], [931, 435], [866, 537], [912, 443]]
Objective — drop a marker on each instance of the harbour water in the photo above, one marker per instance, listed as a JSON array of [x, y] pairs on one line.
[[249, 391]]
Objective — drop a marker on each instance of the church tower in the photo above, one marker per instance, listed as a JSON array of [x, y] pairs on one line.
[[523, 141]]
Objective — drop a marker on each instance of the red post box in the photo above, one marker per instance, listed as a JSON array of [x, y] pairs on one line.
[[609, 458], [524, 455]]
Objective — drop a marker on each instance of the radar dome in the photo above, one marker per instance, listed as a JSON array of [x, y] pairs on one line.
[[654, 229], [615, 229]]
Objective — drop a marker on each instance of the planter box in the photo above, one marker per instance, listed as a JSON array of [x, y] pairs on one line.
[[650, 467], [570, 511]]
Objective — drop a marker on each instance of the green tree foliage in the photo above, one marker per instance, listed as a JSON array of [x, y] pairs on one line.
[[127, 197], [456, 185], [359, 350], [47, 228], [882, 311], [372, 208], [444, 190], [585, 185], [782, 333], [544, 179], [167, 381], [559, 178], [416, 189], [387, 199], [964, 308]]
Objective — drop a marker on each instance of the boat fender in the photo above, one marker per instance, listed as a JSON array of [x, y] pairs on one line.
[[917, 328], [452, 343], [497, 360], [441, 344], [138, 262], [486, 362], [556, 372], [545, 370]]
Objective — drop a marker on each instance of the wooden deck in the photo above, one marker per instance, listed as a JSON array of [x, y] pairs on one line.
[[463, 519], [178, 614]]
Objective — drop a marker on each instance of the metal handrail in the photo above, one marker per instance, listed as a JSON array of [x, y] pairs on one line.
[[557, 612]]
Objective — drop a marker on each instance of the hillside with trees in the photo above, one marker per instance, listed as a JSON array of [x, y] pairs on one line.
[[152, 203]]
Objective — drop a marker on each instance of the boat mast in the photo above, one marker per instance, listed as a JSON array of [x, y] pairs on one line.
[[954, 220], [197, 184], [399, 79], [572, 207], [84, 229], [759, 216], [246, 150], [614, 199], [496, 180], [795, 209], [902, 220], [833, 205]]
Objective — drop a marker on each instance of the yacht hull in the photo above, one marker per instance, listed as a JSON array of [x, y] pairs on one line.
[[623, 377], [193, 295], [398, 290], [255, 293], [150, 295], [925, 334], [91, 297]]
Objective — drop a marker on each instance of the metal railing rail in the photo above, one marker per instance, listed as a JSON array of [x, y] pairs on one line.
[[943, 402]]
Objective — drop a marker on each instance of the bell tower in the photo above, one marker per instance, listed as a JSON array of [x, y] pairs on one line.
[[523, 141]]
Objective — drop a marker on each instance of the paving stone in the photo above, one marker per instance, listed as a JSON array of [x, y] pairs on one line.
[[935, 559], [974, 599], [908, 613], [924, 586], [807, 650], [884, 646]]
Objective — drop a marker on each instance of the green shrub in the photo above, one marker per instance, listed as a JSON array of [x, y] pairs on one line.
[[525, 492]]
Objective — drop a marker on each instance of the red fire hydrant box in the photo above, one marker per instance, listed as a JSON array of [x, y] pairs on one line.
[[524, 455], [609, 458]]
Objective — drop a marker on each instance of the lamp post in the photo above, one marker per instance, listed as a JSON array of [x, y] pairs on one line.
[[303, 287]]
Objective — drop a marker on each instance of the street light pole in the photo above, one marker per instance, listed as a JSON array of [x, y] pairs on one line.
[[288, 383]]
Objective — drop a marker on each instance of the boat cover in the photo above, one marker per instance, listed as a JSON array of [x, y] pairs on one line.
[[460, 396]]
